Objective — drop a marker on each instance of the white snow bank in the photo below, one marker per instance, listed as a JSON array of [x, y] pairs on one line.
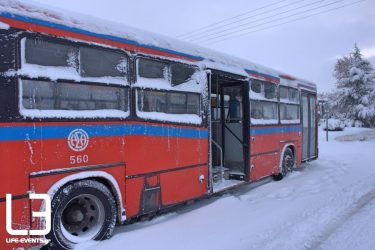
[[359, 136]]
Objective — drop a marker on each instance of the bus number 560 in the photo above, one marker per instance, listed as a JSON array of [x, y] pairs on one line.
[[77, 159]]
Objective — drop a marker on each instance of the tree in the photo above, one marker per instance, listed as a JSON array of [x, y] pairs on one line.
[[355, 88]]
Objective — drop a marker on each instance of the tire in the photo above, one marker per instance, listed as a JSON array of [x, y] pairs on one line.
[[287, 164], [82, 211]]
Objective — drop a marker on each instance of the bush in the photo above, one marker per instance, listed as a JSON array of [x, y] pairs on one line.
[[334, 125]]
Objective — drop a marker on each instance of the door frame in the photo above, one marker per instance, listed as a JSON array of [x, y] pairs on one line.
[[245, 122], [309, 94]]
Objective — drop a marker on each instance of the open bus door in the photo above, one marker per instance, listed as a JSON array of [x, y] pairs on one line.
[[229, 129], [309, 126]]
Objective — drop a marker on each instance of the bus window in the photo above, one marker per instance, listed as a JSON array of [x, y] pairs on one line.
[[37, 95], [263, 90], [152, 101], [256, 110], [293, 95], [181, 73], [263, 112], [289, 105], [283, 91], [288, 94], [98, 63], [168, 102], [256, 86], [289, 113], [41, 52], [177, 103], [235, 105], [269, 111], [44, 95], [269, 90], [152, 69], [193, 103]]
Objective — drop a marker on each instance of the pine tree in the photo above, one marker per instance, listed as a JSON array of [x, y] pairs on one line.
[[356, 88]]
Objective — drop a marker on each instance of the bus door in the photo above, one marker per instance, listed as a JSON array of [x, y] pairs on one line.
[[235, 135], [309, 129], [229, 128]]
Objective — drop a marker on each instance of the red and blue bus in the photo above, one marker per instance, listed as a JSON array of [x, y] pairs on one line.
[[115, 124]]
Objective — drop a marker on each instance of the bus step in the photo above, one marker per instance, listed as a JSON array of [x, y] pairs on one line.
[[237, 176], [217, 173]]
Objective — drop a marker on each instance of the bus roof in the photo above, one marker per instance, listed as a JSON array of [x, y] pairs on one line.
[[40, 18]]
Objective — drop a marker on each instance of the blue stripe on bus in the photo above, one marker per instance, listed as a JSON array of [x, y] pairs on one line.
[[274, 130], [89, 33], [59, 132]]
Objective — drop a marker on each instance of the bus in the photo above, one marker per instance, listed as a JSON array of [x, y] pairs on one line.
[[114, 123]]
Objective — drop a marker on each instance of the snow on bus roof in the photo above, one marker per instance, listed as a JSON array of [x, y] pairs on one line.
[[138, 40]]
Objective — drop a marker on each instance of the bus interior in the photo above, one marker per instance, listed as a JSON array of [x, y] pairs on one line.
[[229, 133]]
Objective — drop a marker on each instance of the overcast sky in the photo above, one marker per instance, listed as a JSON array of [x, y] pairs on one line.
[[306, 48]]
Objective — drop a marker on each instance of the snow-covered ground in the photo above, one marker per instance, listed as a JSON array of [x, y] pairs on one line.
[[330, 204]]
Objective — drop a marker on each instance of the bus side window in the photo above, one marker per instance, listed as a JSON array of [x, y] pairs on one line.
[[99, 63], [173, 72], [45, 95], [181, 73], [45, 53], [152, 69], [264, 112], [168, 102]]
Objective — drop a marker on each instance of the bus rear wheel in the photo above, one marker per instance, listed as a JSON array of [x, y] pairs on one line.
[[82, 211], [287, 164]]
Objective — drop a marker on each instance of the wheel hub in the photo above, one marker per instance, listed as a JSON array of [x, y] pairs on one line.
[[82, 218]]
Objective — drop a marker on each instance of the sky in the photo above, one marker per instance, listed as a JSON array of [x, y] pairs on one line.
[[306, 48]]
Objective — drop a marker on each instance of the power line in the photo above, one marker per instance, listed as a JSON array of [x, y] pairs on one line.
[[203, 31], [227, 19], [272, 21], [233, 29], [290, 21]]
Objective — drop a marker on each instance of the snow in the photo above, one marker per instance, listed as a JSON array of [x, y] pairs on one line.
[[366, 135], [103, 113], [334, 124], [260, 96], [295, 121], [55, 73], [4, 26], [329, 204], [181, 118], [225, 184], [197, 83], [209, 58]]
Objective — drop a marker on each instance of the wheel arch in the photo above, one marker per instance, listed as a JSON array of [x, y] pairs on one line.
[[287, 145], [100, 176]]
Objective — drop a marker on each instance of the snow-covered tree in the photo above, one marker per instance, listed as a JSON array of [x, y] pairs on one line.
[[355, 88]]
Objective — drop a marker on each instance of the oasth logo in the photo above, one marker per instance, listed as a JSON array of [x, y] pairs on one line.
[[78, 140]]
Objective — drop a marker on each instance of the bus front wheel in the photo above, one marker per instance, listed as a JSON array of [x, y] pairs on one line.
[[82, 211]]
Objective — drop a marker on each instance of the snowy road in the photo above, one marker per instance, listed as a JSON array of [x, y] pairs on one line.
[[330, 204]]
